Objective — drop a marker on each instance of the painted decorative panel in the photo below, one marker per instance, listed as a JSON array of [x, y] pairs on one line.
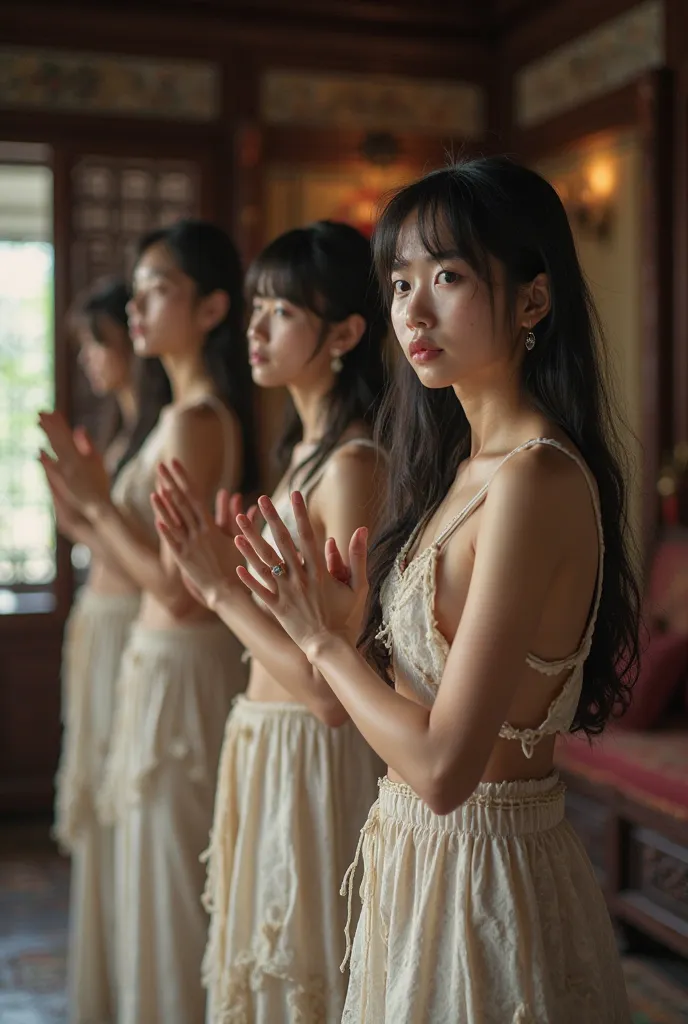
[[604, 59], [91, 83], [372, 102]]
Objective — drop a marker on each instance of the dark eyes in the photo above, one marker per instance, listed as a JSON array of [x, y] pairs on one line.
[[401, 287], [259, 307]]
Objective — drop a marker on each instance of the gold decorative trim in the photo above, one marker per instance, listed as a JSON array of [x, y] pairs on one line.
[[99, 83], [372, 103], [602, 60]]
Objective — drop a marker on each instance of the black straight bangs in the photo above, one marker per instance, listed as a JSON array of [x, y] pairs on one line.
[[284, 270], [452, 223]]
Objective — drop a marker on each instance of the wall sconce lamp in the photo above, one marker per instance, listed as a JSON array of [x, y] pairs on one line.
[[588, 196]]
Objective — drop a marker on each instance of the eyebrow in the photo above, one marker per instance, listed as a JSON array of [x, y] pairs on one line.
[[437, 257]]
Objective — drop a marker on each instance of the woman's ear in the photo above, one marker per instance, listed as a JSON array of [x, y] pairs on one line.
[[536, 301], [345, 335]]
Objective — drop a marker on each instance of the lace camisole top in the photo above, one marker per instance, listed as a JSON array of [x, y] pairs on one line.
[[285, 511], [419, 650], [133, 487], [283, 503]]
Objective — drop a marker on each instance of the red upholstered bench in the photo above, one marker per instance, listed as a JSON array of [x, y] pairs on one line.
[[628, 800], [628, 791]]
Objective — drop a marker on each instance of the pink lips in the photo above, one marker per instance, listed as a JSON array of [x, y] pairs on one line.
[[256, 358], [422, 351]]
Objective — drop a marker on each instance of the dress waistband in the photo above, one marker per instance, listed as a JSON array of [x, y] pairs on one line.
[[202, 633], [245, 707], [93, 600], [494, 808]]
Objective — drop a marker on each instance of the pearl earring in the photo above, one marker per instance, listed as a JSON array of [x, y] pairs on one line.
[[530, 340], [336, 364]]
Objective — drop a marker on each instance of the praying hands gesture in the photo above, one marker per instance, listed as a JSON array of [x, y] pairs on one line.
[[209, 554], [311, 593], [77, 474], [202, 546]]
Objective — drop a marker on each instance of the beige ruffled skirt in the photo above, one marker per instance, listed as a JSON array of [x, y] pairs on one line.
[[95, 636], [292, 797], [488, 915], [174, 694]]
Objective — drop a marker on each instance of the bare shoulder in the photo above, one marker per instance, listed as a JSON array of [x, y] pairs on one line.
[[544, 484], [354, 464], [195, 436], [198, 421]]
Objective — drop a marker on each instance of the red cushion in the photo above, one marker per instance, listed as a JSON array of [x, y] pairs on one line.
[[649, 767], [663, 666]]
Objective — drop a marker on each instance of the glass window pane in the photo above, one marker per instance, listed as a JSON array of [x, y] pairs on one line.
[[27, 540]]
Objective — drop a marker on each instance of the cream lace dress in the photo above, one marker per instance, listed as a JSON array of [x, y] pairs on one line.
[[490, 914], [96, 634], [292, 797], [174, 692]]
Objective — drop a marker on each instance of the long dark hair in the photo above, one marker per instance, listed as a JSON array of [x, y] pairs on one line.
[[108, 301], [206, 254], [326, 268], [492, 207]]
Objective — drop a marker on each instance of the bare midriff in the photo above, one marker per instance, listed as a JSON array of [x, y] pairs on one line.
[[264, 688], [507, 762], [108, 579]]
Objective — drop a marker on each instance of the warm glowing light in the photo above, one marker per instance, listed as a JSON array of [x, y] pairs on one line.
[[601, 177]]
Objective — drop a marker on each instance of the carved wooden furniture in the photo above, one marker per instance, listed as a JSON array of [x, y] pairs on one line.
[[628, 801]]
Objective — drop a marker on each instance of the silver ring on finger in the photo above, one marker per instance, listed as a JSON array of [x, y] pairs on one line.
[[278, 570]]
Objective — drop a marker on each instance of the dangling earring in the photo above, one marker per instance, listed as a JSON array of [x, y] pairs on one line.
[[336, 364], [530, 340]]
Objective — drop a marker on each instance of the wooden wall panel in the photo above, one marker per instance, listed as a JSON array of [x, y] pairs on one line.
[[680, 268], [29, 712], [655, 119]]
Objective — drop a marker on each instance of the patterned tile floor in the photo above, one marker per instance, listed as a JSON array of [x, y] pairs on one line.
[[34, 886]]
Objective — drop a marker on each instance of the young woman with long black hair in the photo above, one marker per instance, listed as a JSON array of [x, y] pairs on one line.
[[296, 778], [95, 637], [181, 667], [502, 609]]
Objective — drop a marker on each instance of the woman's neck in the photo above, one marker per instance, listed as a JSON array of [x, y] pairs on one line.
[[188, 377], [311, 408], [497, 416], [128, 406]]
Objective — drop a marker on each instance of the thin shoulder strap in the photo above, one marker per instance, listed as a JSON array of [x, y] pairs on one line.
[[476, 501], [312, 483]]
